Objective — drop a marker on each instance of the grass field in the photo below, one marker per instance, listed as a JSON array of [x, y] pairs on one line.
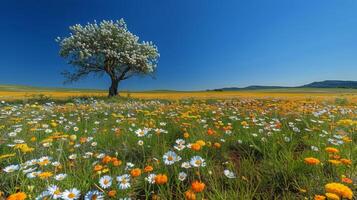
[[272, 144], [15, 92]]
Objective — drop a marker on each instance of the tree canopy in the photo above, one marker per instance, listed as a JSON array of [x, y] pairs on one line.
[[107, 48]]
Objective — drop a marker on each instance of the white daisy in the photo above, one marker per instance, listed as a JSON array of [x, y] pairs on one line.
[[151, 178], [45, 160], [11, 168], [60, 177], [140, 143], [182, 176], [179, 147], [197, 161], [32, 174], [54, 191], [180, 141], [72, 156], [44, 195], [105, 182], [25, 171], [91, 195], [229, 174], [170, 158], [56, 164], [124, 181], [129, 165], [141, 132], [73, 193], [186, 165]]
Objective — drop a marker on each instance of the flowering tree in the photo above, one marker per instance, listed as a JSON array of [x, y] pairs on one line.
[[107, 48]]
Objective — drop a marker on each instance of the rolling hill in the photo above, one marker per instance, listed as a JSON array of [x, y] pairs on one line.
[[320, 84]]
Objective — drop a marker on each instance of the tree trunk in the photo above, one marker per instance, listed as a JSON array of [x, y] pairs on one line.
[[113, 90]]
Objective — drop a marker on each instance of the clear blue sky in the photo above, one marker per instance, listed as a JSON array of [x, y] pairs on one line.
[[203, 43]]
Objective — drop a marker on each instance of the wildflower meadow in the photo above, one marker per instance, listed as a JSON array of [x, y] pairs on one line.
[[124, 148]]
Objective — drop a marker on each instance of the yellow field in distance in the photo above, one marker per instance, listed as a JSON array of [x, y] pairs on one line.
[[294, 93]]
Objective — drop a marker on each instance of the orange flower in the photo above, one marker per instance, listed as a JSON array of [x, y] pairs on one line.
[[83, 140], [186, 135], [346, 161], [331, 150], [98, 167], [17, 196], [210, 131], [197, 186], [319, 197], [160, 179], [190, 195], [112, 193], [217, 145], [135, 172], [116, 162], [312, 161], [148, 169], [346, 180], [195, 147], [106, 159]]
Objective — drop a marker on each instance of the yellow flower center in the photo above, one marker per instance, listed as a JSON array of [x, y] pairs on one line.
[[71, 195]]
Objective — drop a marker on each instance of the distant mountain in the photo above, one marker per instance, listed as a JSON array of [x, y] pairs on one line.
[[332, 84], [321, 84], [252, 87]]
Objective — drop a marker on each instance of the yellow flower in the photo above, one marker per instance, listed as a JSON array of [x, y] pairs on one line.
[[339, 189], [201, 143], [45, 175], [347, 122], [244, 123], [23, 147], [346, 139], [7, 155], [334, 162], [302, 190], [73, 137], [332, 196]]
